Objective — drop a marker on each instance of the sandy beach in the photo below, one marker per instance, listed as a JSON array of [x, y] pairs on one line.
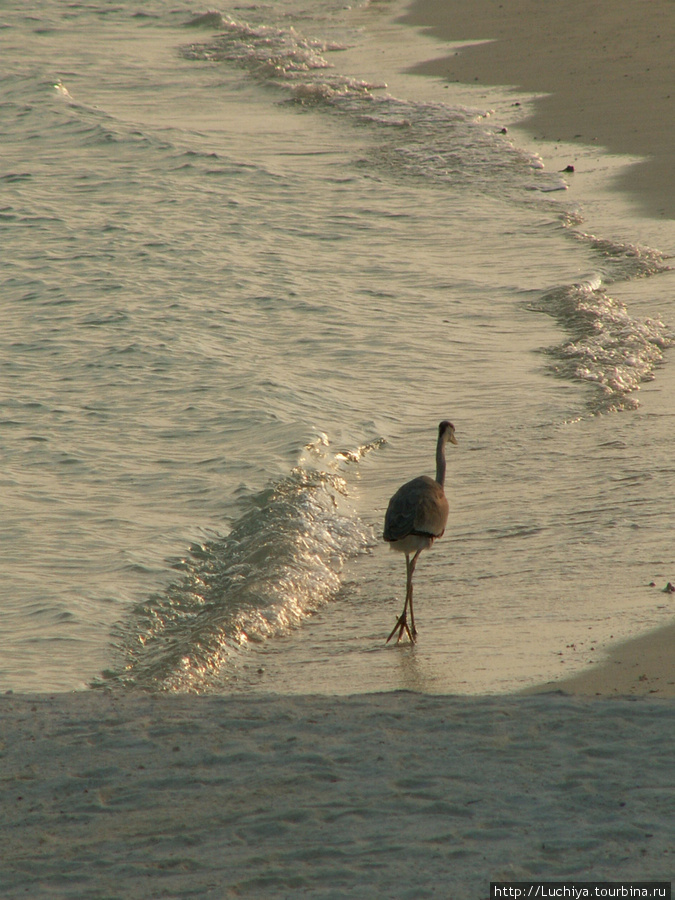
[[642, 667], [605, 73], [130, 795], [390, 795]]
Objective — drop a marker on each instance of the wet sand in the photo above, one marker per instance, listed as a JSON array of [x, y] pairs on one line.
[[642, 667], [606, 73]]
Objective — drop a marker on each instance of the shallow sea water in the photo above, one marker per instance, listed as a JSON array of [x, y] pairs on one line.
[[242, 283]]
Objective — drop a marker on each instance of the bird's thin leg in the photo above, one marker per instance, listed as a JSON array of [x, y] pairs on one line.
[[402, 621], [411, 569]]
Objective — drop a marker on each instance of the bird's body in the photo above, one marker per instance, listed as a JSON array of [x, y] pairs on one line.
[[415, 518]]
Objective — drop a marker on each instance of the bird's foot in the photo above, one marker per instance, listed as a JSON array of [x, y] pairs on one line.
[[401, 626]]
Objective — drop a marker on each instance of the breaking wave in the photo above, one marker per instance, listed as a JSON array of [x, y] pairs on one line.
[[424, 139], [607, 347], [279, 564]]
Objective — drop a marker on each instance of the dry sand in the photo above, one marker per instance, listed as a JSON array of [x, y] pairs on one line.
[[606, 70], [378, 796]]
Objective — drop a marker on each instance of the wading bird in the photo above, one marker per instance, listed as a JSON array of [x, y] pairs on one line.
[[415, 517]]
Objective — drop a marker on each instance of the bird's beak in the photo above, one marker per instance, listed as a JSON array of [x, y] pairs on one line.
[[453, 439]]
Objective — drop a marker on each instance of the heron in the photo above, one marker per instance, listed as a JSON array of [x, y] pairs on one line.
[[415, 518]]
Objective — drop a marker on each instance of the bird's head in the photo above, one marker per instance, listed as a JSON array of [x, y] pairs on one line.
[[446, 430]]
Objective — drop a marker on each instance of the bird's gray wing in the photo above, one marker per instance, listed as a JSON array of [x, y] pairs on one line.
[[418, 507]]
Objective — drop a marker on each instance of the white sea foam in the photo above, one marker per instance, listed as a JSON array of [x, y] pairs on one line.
[[281, 562], [609, 347]]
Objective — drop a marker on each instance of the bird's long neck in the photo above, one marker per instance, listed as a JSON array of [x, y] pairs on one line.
[[440, 461]]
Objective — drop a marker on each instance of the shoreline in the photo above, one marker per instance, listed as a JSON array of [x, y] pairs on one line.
[[601, 76], [640, 667], [401, 794]]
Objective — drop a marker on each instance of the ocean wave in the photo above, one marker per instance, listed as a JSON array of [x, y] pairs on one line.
[[609, 347], [279, 564], [268, 51], [457, 145]]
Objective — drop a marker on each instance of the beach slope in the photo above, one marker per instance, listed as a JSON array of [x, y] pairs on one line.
[[605, 73]]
